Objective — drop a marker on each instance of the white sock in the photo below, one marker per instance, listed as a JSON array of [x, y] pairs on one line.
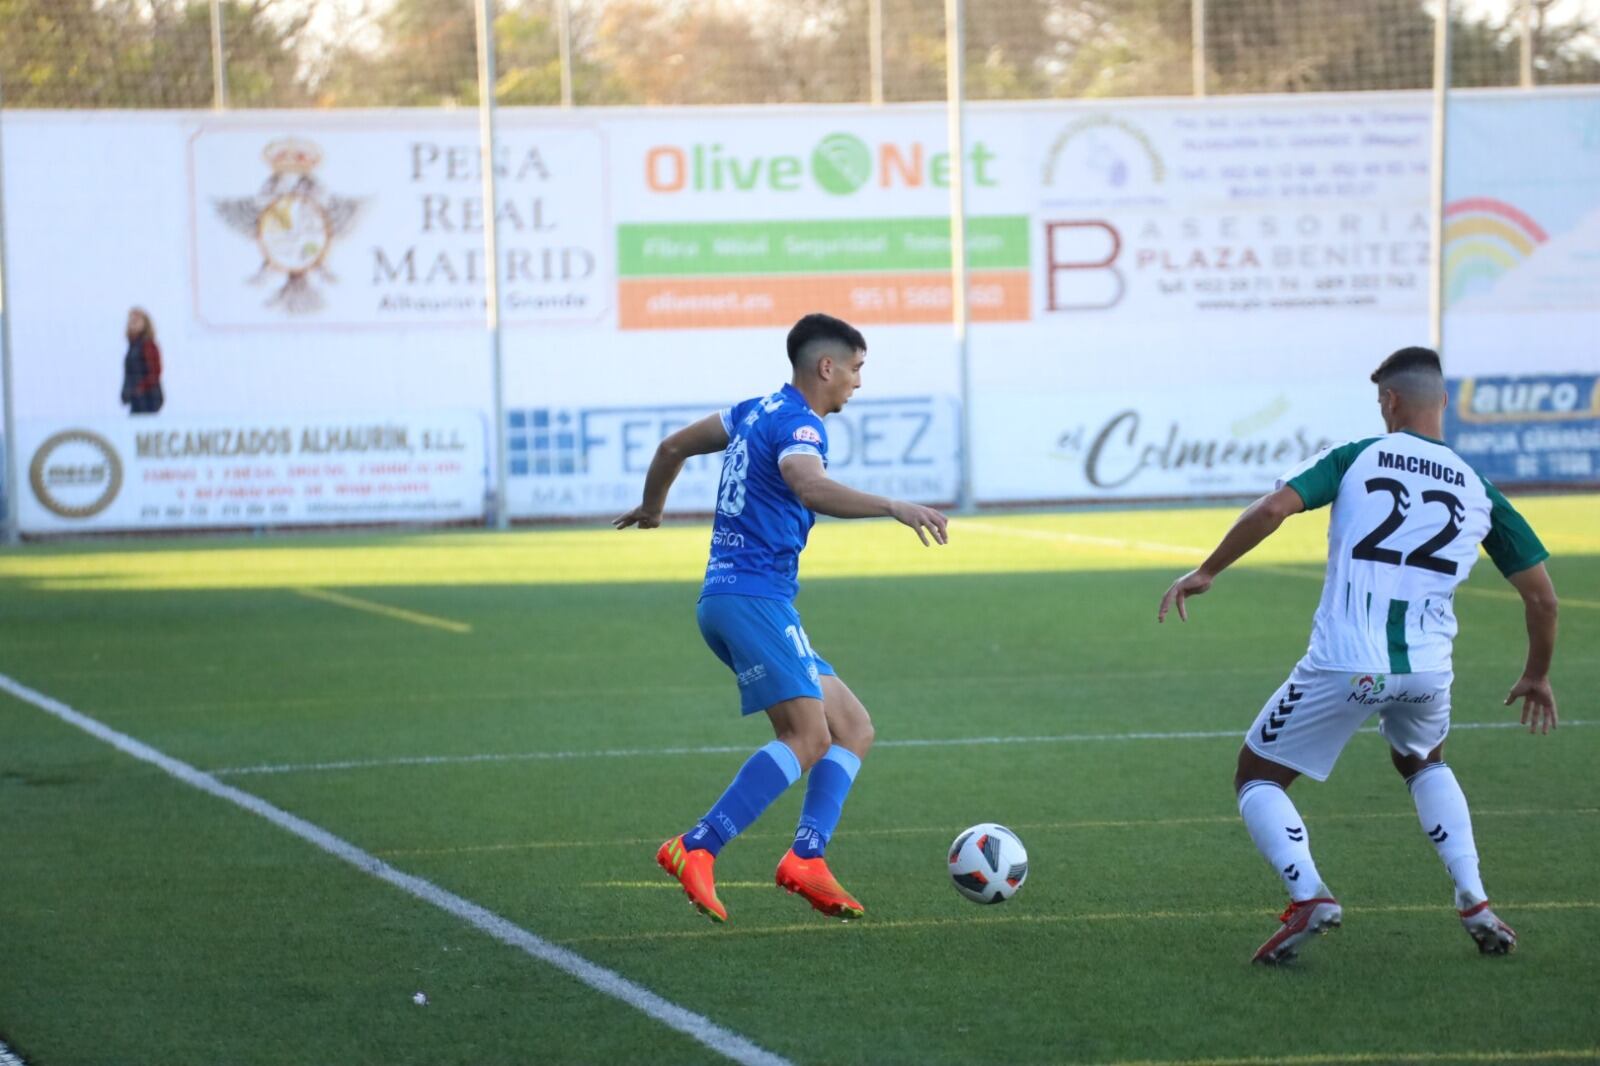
[[1281, 837], [1442, 810]]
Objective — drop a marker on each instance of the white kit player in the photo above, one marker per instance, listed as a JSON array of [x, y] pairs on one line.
[[1408, 516]]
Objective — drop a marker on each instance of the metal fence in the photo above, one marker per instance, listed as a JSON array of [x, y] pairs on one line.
[[581, 53], [278, 54]]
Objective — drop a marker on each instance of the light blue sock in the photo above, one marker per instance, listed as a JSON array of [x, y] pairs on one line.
[[761, 779], [826, 789]]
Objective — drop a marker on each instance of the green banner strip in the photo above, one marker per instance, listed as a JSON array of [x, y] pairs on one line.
[[710, 249]]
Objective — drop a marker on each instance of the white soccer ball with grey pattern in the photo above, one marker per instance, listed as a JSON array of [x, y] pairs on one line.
[[988, 863]]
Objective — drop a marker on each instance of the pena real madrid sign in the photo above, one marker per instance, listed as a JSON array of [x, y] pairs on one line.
[[75, 474], [293, 220], [382, 224]]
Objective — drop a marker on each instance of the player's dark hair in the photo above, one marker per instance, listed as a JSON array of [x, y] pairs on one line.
[[1406, 360], [819, 327]]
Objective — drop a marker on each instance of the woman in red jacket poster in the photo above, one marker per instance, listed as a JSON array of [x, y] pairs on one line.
[[141, 367]]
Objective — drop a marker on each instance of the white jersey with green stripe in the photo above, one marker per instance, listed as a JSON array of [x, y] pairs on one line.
[[1408, 516]]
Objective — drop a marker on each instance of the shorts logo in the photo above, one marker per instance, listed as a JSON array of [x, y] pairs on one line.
[[1368, 684], [752, 675], [1275, 722], [808, 435]]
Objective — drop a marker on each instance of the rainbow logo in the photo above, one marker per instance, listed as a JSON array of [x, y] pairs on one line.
[[1484, 239]]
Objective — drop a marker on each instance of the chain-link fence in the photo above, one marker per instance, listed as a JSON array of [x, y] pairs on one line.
[[403, 53], [1156, 198]]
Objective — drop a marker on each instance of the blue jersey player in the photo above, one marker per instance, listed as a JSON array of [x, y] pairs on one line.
[[774, 483]]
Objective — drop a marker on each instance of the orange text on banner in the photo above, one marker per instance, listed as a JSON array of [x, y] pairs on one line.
[[702, 303]]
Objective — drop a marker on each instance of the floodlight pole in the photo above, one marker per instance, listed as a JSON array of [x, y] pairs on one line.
[[1441, 93], [1525, 10], [564, 29], [487, 143], [219, 61], [875, 51], [1197, 44], [955, 112], [9, 523]]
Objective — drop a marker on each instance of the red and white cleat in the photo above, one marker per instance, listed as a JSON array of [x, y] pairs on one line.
[[1494, 937], [1302, 920]]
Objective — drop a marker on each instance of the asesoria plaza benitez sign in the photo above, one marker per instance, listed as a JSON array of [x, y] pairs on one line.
[[1169, 299]]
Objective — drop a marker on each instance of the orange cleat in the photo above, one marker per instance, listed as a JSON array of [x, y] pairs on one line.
[[812, 879], [693, 871]]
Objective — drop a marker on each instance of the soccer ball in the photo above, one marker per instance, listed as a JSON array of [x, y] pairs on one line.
[[988, 863]]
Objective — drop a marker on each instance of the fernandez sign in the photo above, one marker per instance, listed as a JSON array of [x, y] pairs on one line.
[[568, 462]]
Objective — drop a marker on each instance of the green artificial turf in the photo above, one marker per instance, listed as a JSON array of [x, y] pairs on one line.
[[144, 921]]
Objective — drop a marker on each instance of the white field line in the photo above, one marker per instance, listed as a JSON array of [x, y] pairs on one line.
[[607, 982], [1191, 552], [1080, 825], [726, 749], [990, 919], [1157, 547], [356, 603], [1519, 1057]]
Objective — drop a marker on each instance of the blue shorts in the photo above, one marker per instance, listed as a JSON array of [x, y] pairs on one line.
[[765, 646]]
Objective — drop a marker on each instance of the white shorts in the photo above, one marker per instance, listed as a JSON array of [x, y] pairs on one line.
[[1307, 722]]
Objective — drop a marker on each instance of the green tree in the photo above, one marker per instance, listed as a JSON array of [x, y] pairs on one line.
[[152, 54]]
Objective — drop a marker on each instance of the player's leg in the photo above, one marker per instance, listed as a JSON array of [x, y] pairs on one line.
[[803, 869], [801, 737], [828, 783], [1410, 724], [1300, 730], [1274, 823], [748, 635], [776, 674]]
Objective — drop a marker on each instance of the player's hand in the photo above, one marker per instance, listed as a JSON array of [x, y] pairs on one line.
[[1193, 583], [640, 516], [1538, 703], [924, 520]]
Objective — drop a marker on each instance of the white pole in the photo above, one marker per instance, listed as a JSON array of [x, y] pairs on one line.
[[8, 431], [1197, 44], [1525, 8], [1441, 93], [487, 143], [875, 50], [564, 27], [219, 62], [955, 111]]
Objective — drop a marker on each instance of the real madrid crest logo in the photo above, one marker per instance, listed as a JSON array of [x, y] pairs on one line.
[[294, 221]]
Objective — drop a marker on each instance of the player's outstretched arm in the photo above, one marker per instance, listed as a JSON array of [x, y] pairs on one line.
[[1257, 522], [697, 438], [1539, 611], [812, 486]]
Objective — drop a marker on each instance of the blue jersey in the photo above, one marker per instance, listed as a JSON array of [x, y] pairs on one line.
[[761, 527]]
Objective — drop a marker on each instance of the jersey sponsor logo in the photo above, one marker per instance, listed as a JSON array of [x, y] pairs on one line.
[[1368, 684], [1369, 692], [726, 538], [808, 435], [1413, 464]]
